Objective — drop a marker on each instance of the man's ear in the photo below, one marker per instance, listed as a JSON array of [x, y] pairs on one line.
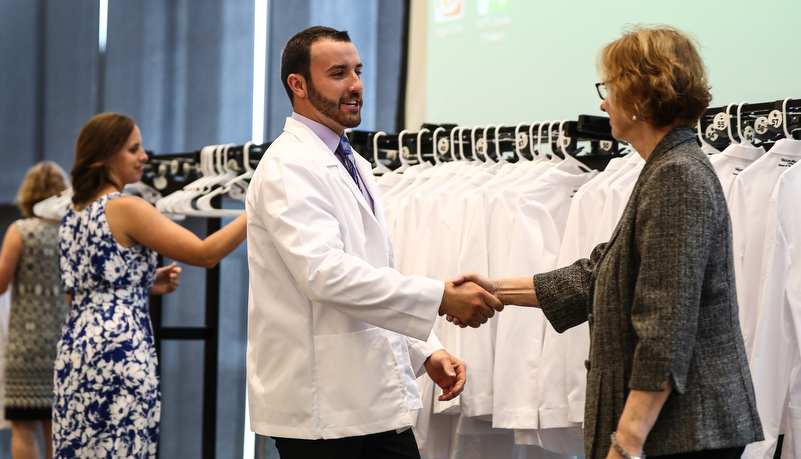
[[297, 84]]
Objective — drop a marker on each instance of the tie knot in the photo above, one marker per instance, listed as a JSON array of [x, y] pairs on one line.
[[344, 146]]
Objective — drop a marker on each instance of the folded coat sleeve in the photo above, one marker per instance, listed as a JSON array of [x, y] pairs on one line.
[[673, 243], [564, 293], [297, 207], [419, 351]]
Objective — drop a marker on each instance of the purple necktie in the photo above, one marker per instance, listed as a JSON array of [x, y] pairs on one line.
[[345, 156]]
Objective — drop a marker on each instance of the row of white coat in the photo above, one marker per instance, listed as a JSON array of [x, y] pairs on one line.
[[505, 220]]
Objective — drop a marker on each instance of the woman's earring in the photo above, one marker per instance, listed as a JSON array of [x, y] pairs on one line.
[[634, 118]]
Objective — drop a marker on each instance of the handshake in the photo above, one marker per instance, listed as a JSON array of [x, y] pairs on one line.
[[470, 300]]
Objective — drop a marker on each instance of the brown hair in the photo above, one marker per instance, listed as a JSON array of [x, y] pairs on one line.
[[42, 181], [100, 139], [296, 56], [656, 74]]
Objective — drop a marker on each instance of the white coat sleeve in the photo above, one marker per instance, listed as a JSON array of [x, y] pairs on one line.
[[419, 351]]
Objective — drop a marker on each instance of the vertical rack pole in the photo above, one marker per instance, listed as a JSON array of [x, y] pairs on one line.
[[210, 357]]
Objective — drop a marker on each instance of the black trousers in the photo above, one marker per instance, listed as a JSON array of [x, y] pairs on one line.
[[384, 445], [727, 453]]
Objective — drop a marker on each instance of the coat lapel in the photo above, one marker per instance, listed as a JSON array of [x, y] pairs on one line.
[[323, 155]]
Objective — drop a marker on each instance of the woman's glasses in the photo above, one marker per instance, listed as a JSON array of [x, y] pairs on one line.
[[601, 88]]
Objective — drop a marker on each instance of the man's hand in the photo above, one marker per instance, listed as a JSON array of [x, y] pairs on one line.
[[469, 303], [485, 282], [167, 280], [447, 372]]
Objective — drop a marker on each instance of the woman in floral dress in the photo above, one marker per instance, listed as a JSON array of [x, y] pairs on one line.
[[107, 397]]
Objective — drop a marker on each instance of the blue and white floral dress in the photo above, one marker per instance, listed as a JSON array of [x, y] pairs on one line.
[[107, 401]]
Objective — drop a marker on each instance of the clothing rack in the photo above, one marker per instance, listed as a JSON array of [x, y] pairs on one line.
[[172, 171], [760, 123], [492, 141], [168, 173]]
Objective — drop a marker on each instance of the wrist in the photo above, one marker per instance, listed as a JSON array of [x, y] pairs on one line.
[[518, 291], [629, 453]]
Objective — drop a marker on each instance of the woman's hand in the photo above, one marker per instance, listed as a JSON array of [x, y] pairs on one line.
[[486, 283], [166, 279]]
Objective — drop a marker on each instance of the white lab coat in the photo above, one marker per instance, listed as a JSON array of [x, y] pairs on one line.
[[748, 203], [327, 313], [776, 343], [733, 160]]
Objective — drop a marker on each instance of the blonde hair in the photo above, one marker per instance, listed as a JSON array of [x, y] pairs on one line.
[[42, 181], [656, 74]]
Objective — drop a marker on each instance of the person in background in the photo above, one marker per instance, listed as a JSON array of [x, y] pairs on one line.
[[667, 370], [107, 401], [29, 263], [336, 336]]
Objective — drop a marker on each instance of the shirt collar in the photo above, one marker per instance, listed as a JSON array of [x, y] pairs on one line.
[[329, 137]]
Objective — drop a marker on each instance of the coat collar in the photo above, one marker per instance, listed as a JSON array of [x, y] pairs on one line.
[[325, 156], [678, 135]]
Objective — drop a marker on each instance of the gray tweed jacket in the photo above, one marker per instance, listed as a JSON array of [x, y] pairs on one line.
[[661, 302]]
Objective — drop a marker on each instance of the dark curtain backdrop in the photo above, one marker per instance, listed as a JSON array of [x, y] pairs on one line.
[[184, 71]]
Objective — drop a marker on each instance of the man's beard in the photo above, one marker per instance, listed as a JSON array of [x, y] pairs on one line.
[[332, 109]]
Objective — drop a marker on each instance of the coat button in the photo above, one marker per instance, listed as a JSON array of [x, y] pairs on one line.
[[587, 365]]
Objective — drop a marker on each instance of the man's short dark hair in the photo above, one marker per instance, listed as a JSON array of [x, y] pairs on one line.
[[296, 57]]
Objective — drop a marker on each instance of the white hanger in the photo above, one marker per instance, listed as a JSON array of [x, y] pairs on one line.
[[788, 138], [787, 134], [239, 186], [535, 152], [728, 120], [541, 153], [561, 137], [501, 159], [437, 161], [145, 191], [487, 157], [461, 143], [701, 136], [165, 205], [404, 162], [569, 160], [204, 202], [473, 145], [453, 144], [54, 207], [554, 158], [743, 140], [420, 148], [220, 176], [380, 168]]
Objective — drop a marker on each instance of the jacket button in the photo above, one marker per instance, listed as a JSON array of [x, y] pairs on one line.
[[587, 365]]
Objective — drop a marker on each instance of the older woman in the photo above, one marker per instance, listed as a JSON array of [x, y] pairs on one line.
[[29, 263], [667, 367]]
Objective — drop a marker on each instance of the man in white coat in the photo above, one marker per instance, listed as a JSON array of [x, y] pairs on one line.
[[336, 336]]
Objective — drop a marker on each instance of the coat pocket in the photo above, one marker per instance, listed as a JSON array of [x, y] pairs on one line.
[[358, 379]]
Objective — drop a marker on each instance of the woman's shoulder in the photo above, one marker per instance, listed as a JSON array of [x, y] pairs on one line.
[[31, 224], [126, 204]]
